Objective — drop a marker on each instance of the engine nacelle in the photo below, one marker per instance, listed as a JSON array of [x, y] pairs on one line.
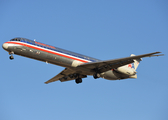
[[110, 75], [126, 70], [116, 75]]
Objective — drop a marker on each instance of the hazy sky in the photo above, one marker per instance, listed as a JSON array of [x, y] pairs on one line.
[[103, 29]]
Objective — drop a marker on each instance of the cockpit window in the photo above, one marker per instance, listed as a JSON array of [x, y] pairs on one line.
[[12, 40], [15, 39]]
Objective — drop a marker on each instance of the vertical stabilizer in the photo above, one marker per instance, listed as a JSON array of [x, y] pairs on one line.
[[136, 62]]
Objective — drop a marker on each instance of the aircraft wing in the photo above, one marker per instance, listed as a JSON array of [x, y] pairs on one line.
[[103, 66], [66, 75]]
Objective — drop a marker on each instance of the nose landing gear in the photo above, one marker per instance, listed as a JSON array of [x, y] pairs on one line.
[[11, 57]]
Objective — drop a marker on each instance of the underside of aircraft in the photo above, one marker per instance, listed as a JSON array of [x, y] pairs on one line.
[[77, 66]]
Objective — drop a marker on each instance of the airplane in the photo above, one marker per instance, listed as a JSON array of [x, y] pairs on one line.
[[77, 66]]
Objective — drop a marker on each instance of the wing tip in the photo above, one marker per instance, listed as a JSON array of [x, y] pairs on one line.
[[158, 54], [46, 82]]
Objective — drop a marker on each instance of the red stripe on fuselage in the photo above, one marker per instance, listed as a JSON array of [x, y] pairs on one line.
[[48, 51]]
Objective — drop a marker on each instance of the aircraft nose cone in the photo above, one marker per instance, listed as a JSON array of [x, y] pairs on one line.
[[5, 46]]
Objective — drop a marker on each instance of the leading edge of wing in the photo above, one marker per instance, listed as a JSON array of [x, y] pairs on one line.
[[117, 62]]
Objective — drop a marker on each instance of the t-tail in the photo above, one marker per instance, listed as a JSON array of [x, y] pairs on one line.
[[135, 65], [136, 62]]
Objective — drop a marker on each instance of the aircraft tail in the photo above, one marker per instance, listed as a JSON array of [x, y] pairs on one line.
[[136, 62]]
